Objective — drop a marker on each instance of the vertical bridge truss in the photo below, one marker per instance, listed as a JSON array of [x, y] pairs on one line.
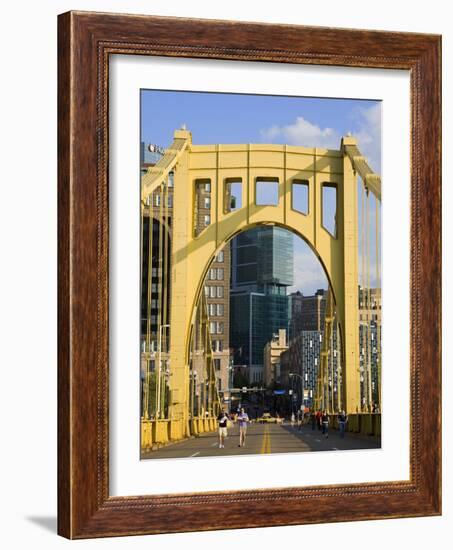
[[328, 392]]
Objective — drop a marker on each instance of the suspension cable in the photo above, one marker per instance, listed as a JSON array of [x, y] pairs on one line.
[[148, 305], [159, 303], [362, 295], [165, 283], [378, 307], [368, 302]]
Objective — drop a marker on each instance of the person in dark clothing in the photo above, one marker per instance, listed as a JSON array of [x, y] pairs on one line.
[[342, 419], [318, 420], [325, 423], [313, 420]]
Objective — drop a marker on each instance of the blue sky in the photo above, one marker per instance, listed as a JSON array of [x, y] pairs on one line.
[[240, 118]]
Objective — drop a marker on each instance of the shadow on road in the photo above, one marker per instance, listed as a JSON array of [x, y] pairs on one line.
[[316, 441]]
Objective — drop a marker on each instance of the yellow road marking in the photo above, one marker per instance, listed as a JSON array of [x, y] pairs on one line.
[[266, 446]]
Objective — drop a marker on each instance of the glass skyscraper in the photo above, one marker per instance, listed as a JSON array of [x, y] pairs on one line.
[[261, 271]]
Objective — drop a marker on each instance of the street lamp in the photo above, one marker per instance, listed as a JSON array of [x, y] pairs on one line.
[[291, 374]]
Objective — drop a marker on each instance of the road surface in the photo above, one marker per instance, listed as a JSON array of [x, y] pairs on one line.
[[263, 439]]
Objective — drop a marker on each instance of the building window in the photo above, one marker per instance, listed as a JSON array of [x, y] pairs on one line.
[[207, 187], [217, 364], [206, 291], [157, 200], [171, 179], [213, 274], [207, 219], [219, 310], [212, 327], [220, 327], [220, 257], [212, 292], [207, 202], [220, 273], [212, 310], [219, 292], [219, 384], [170, 201]]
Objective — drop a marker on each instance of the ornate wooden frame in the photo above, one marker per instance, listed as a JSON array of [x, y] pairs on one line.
[[85, 41]]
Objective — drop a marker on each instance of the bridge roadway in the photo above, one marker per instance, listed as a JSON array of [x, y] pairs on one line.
[[263, 439]]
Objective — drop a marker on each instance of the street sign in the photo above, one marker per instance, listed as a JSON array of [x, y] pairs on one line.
[[279, 392]]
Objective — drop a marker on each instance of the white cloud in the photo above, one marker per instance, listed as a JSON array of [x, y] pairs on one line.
[[368, 134], [366, 128], [304, 133]]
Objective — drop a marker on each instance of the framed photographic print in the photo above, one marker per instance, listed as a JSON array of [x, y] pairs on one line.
[[249, 274]]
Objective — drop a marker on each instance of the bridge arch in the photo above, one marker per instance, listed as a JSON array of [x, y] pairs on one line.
[[229, 238]]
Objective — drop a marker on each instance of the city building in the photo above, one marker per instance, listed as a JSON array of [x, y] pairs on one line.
[[261, 271], [150, 155], [307, 312], [217, 293], [370, 346], [155, 299], [272, 352], [303, 359]]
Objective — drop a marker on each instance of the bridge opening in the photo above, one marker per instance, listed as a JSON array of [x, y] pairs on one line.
[[202, 206], [266, 191], [329, 208], [265, 334], [300, 198], [233, 195]]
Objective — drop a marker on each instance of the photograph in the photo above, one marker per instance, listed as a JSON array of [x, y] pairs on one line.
[[260, 274]]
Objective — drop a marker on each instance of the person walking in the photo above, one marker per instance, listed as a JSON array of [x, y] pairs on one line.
[[300, 420], [325, 423], [318, 419], [222, 421], [342, 419], [243, 419]]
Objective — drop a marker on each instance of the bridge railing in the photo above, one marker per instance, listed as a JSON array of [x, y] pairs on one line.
[[360, 423]]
